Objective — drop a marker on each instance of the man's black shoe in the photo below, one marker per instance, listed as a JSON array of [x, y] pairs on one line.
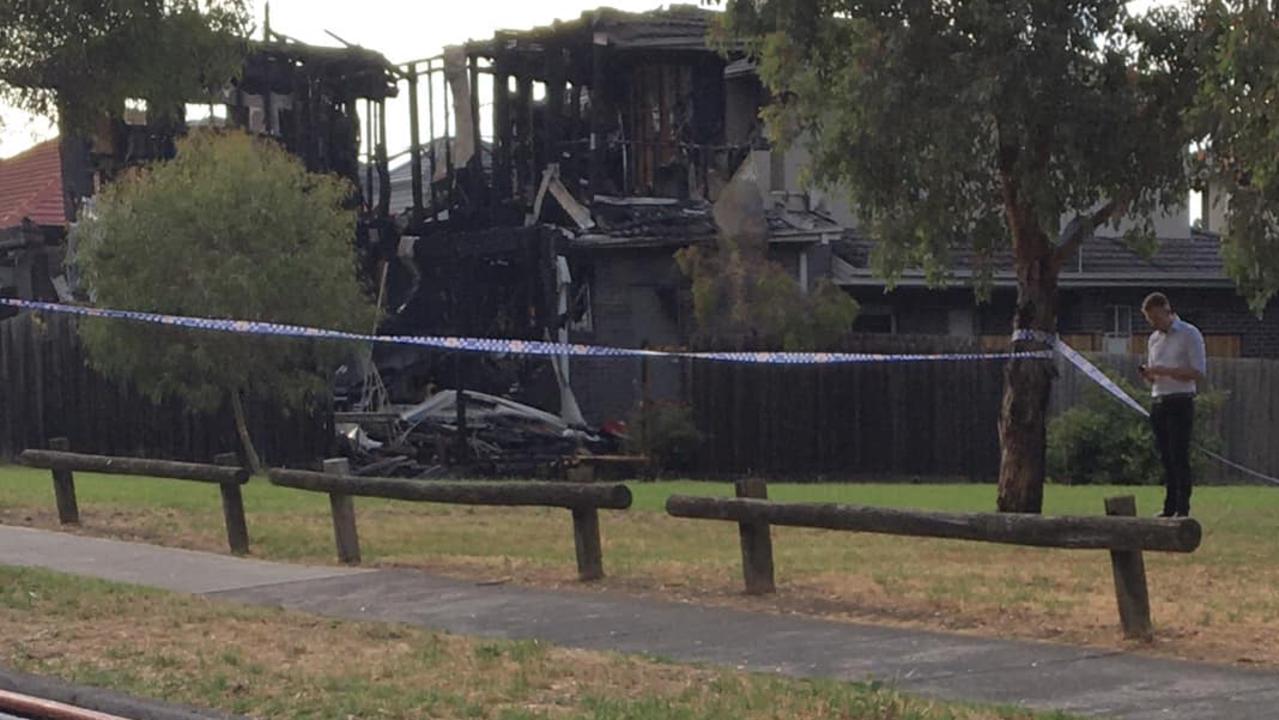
[[1165, 514]]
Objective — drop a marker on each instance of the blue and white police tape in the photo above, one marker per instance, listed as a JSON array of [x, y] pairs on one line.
[[1096, 375], [541, 348], [501, 345]]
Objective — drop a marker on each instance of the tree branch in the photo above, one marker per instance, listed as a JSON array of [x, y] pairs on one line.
[[1081, 229]]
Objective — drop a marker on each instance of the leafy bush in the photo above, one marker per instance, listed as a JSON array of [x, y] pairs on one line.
[[1104, 442], [666, 433]]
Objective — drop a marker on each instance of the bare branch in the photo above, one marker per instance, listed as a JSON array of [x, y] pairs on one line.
[[1081, 229]]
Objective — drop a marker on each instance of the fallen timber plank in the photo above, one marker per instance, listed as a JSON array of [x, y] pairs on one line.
[[542, 494], [76, 462], [1101, 533]]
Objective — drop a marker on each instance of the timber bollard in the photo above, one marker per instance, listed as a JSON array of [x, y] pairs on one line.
[[1129, 569], [584, 500], [64, 487], [343, 507], [237, 528], [757, 542], [586, 541]]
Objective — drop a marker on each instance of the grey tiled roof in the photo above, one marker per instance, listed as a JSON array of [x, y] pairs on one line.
[[1103, 261]]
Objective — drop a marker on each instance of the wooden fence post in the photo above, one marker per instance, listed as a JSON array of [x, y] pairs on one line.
[[1130, 579], [343, 506], [64, 487], [757, 542], [586, 540], [237, 528]]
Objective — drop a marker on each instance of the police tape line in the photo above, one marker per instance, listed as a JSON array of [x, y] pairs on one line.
[[503, 346], [1096, 375], [549, 349]]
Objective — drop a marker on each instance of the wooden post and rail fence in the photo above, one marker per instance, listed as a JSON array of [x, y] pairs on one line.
[[1124, 535], [64, 464], [583, 500], [1119, 531]]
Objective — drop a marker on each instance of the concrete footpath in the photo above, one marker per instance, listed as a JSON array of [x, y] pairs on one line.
[[1040, 675]]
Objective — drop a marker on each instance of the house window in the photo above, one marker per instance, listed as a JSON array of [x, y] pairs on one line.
[[1119, 319], [581, 313], [875, 319], [206, 115], [959, 322], [135, 111], [1118, 335]]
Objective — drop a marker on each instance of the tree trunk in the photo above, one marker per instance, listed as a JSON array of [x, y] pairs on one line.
[[1023, 437], [242, 428]]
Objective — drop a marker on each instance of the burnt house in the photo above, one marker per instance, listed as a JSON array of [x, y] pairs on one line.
[[306, 97], [608, 137]]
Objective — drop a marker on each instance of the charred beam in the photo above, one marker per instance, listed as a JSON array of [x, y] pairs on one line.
[[415, 145], [599, 57]]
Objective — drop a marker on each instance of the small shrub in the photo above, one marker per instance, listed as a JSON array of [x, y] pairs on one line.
[[1104, 442], [666, 433]]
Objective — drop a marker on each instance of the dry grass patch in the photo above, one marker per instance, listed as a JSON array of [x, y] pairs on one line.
[[1220, 603], [278, 664]]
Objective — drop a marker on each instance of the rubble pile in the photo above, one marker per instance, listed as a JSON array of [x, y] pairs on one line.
[[502, 438]]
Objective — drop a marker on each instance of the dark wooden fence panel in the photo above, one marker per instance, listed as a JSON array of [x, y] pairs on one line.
[[855, 420], [931, 419], [48, 390]]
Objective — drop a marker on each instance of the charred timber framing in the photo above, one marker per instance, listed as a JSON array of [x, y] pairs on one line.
[[415, 146]]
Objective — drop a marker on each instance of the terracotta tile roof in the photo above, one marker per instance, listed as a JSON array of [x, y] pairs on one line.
[[31, 187]]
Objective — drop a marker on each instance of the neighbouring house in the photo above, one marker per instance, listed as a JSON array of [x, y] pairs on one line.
[[33, 223], [1100, 297]]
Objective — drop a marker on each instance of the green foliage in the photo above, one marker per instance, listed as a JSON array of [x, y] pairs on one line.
[[962, 123], [1104, 442], [666, 433], [741, 298], [83, 58], [233, 227], [1237, 128]]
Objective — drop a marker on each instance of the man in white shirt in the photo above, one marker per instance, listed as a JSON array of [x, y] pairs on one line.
[[1175, 364]]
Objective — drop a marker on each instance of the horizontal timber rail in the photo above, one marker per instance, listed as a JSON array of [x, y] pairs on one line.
[[1180, 535], [75, 462], [584, 500], [64, 463], [541, 494], [1119, 531]]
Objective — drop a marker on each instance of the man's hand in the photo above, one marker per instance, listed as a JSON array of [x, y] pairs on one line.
[[1146, 373]]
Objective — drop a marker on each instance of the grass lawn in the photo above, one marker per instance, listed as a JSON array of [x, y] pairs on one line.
[[277, 664], [1220, 603]]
